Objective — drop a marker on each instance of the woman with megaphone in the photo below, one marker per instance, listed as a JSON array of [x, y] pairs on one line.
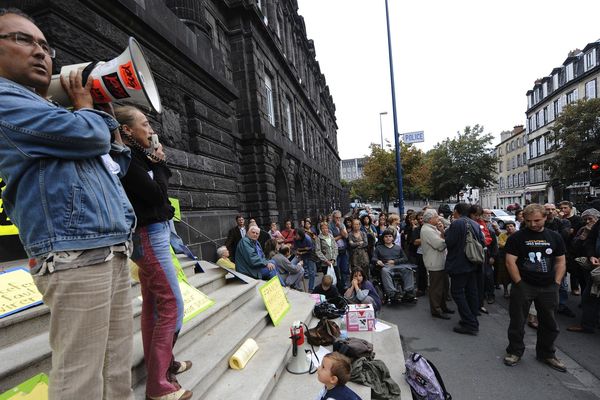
[[146, 183]]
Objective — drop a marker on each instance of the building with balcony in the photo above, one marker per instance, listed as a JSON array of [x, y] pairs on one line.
[[577, 78]]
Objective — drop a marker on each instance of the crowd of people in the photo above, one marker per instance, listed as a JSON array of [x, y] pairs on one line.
[[111, 204], [392, 260]]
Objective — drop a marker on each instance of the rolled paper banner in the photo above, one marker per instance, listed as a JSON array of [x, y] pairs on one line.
[[240, 358]]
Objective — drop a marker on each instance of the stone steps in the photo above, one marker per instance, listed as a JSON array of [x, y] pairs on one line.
[[208, 340], [258, 379], [29, 329], [32, 321]]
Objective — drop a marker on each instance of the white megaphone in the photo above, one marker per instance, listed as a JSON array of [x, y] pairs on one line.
[[126, 78], [299, 363]]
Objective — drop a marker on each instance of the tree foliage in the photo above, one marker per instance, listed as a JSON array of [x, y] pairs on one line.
[[379, 171], [576, 139], [467, 160]]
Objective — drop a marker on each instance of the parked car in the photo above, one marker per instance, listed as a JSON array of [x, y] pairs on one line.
[[501, 217]]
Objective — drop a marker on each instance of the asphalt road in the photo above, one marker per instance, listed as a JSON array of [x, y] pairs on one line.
[[472, 366]]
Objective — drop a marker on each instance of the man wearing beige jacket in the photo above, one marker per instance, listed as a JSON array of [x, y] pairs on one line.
[[433, 246]]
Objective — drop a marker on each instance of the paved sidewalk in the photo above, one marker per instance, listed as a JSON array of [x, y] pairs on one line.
[[472, 366]]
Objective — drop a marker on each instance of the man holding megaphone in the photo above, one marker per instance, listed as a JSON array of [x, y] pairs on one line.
[[63, 193]]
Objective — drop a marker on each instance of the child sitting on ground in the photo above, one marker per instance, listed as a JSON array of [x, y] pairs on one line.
[[334, 373], [326, 288]]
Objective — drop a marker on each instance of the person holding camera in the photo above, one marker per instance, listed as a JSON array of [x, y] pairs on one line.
[[146, 184]]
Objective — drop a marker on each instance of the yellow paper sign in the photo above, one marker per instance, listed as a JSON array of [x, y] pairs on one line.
[[175, 203], [275, 300], [6, 227], [17, 291], [194, 301], [35, 388]]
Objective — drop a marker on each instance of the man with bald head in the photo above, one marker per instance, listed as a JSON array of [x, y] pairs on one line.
[[63, 193]]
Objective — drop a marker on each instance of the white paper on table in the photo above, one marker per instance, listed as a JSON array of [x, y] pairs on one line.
[[321, 352], [380, 326]]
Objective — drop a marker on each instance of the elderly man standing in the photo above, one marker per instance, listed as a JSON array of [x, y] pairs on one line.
[[63, 193], [250, 259], [433, 246], [535, 259]]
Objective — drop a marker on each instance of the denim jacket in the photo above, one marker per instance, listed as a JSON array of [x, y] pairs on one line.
[[58, 192]]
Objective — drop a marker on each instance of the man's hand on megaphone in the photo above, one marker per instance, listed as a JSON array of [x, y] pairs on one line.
[[80, 95]]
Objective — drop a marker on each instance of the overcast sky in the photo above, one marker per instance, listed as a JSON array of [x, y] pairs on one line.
[[456, 63]]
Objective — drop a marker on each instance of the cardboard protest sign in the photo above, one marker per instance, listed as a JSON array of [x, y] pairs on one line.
[[275, 300], [17, 291]]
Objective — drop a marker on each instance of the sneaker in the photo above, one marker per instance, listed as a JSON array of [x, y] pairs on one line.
[[579, 328], [179, 367], [566, 311], [554, 363], [511, 359], [464, 330]]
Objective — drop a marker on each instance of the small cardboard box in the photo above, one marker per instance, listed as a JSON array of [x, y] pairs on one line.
[[360, 317]]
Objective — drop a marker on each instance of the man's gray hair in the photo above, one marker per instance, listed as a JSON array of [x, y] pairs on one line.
[[221, 251], [429, 214], [15, 11], [252, 227], [336, 213]]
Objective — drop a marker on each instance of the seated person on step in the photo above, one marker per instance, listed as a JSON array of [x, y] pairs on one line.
[[224, 261], [361, 290], [292, 274], [326, 288]]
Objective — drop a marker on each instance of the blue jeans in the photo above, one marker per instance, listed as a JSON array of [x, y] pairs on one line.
[[563, 291], [343, 265], [311, 268], [266, 274]]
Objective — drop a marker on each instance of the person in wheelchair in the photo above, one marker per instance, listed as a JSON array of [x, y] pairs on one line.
[[390, 260]]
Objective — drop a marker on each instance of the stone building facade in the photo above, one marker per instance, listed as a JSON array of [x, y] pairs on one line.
[[248, 122], [512, 167], [576, 79]]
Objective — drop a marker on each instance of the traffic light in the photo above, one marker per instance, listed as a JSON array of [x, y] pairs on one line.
[[595, 173]]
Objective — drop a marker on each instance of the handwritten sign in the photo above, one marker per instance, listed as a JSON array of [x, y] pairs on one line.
[[17, 291], [35, 388], [194, 301], [275, 300], [6, 227]]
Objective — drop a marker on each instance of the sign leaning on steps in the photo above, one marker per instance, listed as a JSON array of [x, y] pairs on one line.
[[35, 388], [17, 291], [275, 300]]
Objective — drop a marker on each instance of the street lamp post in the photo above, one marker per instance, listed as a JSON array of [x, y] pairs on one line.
[[396, 134], [380, 128]]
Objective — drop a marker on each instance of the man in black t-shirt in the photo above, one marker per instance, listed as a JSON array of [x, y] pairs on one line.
[[535, 260]]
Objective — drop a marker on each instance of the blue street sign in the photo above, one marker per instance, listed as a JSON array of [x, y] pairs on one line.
[[413, 137]]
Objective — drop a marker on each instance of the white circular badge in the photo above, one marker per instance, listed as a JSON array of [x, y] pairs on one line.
[[548, 251]]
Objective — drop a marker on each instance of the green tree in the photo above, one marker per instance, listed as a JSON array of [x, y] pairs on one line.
[[467, 160], [380, 173], [575, 136]]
